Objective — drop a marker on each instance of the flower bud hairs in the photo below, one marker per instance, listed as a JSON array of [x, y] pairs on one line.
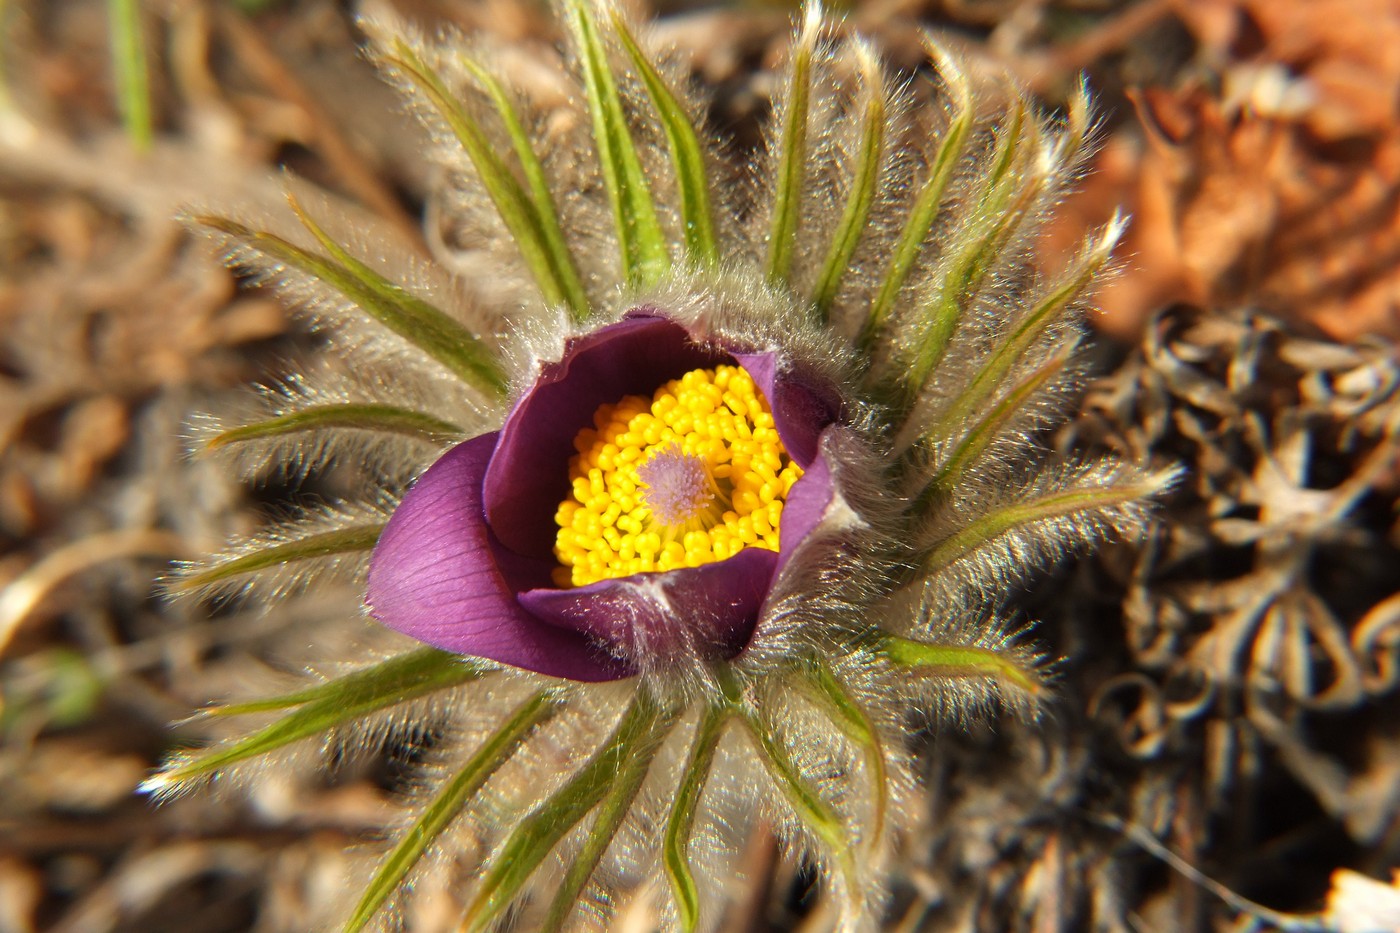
[[687, 500]]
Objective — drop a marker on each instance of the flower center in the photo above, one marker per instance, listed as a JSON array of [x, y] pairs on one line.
[[694, 474], [677, 488]]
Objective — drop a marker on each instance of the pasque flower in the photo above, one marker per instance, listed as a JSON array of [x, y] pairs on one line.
[[697, 509], [687, 495]]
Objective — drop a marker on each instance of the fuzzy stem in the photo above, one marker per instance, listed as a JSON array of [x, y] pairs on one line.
[[353, 416], [676, 842], [792, 161], [455, 794], [862, 194], [536, 835]]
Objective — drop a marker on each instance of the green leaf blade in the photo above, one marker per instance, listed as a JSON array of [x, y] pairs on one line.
[[327, 706], [405, 313], [352, 540], [687, 155], [132, 77], [349, 416], [645, 257], [444, 808], [537, 834], [675, 843], [862, 194]]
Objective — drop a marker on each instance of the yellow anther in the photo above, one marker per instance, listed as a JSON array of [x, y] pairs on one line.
[[690, 476]]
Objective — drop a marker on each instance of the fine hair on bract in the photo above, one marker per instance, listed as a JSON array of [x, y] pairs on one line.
[[878, 255]]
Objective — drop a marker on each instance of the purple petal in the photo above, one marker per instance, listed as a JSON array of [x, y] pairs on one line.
[[528, 476], [801, 411], [713, 607], [434, 576], [807, 502]]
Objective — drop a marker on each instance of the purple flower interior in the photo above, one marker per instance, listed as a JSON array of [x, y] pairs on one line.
[[528, 476]]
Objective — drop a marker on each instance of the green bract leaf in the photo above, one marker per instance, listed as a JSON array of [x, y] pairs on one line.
[[561, 261], [925, 207], [826, 690], [445, 807], [625, 781], [792, 152], [980, 435], [977, 248], [687, 158], [326, 706], [962, 661], [387, 419], [355, 539], [1051, 505], [675, 847], [413, 319], [862, 194], [642, 726], [547, 256], [814, 813], [1045, 311], [644, 254]]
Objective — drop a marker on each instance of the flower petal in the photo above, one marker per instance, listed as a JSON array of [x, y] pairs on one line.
[[527, 477], [801, 411], [712, 608], [434, 576], [807, 503]]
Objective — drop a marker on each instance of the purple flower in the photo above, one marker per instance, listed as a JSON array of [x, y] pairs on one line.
[[468, 561]]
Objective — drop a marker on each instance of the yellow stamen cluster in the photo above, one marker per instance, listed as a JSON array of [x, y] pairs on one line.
[[711, 418]]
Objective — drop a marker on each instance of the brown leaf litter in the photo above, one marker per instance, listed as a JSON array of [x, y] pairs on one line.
[[1270, 176]]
